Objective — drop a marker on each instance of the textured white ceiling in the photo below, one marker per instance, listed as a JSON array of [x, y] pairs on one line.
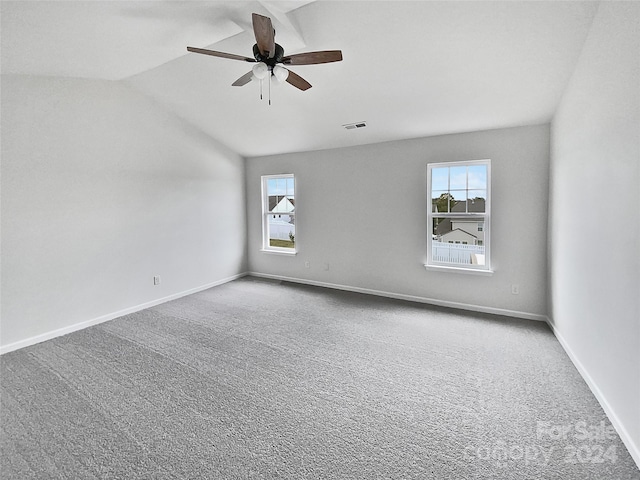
[[410, 69]]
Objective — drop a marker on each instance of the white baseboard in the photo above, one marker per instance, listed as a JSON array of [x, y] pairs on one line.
[[411, 298], [110, 316], [633, 449]]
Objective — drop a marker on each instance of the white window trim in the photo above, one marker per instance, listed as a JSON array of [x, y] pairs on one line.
[[279, 251], [443, 267], [266, 248], [450, 268]]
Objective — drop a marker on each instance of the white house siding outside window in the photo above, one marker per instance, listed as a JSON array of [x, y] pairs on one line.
[[458, 217], [278, 213]]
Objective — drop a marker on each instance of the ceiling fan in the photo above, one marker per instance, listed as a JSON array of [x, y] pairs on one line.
[[269, 57]]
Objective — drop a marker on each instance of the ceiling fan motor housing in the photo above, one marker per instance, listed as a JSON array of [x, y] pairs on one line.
[[277, 57]]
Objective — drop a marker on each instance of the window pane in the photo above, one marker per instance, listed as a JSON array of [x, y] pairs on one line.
[[458, 200], [280, 193], [477, 177], [440, 201], [290, 194], [476, 201], [440, 226], [271, 186], [458, 178], [273, 202], [440, 179], [289, 191], [458, 241], [282, 231], [277, 186]]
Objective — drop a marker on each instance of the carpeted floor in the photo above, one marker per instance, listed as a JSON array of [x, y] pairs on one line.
[[261, 379]]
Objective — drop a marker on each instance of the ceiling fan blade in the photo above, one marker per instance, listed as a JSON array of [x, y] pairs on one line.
[[297, 81], [213, 53], [244, 79], [265, 35], [312, 58]]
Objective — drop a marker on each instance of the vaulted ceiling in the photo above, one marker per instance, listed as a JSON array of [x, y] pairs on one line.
[[410, 69]]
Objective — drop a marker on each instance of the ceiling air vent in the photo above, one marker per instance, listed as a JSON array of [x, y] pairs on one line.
[[353, 126]]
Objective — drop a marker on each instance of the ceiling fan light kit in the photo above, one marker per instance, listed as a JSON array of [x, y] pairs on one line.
[[280, 73], [260, 70], [269, 58]]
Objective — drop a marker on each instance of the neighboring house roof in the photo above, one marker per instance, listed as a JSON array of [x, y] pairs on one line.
[[443, 227], [459, 230], [281, 204], [474, 206]]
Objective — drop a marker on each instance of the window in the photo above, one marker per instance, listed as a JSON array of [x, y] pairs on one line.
[[278, 213], [458, 215]]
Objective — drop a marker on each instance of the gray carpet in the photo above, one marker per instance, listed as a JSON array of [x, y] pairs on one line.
[[261, 379]]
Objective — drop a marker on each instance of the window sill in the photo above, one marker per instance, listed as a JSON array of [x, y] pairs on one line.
[[468, 271], [279, 252]]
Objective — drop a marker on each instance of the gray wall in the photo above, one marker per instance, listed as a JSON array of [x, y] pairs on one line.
[[362, 210], [102, 190], [594, 221]]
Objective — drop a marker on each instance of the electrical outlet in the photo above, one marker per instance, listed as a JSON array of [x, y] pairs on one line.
[[325, 266], [307, 264], [515, 289], [156, 280]]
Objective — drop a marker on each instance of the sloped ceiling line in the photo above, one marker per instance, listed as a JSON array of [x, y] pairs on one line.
[[410, 69]]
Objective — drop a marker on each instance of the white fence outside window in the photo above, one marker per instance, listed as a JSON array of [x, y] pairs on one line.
[[280, 230], [457, 253]]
